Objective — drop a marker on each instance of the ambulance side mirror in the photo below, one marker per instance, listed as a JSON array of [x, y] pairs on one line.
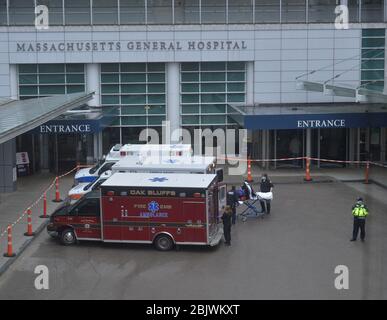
[[219, 174]]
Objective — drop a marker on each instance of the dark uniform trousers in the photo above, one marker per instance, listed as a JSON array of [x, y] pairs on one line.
[[358, 223]]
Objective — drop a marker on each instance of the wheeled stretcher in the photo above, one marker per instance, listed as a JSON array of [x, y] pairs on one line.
[[251, 202]]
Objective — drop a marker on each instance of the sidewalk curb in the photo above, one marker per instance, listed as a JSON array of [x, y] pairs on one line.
[[24, 246]]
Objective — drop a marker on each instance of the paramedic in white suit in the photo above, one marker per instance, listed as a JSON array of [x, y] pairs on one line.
[[266, 193]]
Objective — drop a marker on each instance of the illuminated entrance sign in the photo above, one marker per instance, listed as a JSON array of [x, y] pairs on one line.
[[77, 128], [335, 123]]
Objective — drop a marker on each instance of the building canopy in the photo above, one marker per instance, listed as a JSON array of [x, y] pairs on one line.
[[20, 116]]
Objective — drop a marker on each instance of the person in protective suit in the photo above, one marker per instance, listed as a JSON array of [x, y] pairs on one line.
[[359, 212], [265, 186]]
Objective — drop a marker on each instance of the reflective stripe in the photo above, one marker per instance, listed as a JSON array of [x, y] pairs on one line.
[[359, 211]]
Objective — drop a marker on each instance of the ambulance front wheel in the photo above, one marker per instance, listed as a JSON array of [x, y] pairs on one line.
[[67, 237], [163, 242]]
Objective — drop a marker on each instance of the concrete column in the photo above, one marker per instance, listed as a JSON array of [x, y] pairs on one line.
[[173, 99], [8, 166], [308, 142], [383, 142], [13, 83], [93, 83], [250, 83]]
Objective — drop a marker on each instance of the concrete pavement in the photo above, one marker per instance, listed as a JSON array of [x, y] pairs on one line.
[[290, 255]]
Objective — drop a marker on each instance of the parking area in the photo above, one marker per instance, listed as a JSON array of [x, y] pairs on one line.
[[291, 254]]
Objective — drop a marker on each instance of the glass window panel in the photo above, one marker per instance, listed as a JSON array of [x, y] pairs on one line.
[[77, 12], [373, 32], [155, 120], [372, 64], [155, 67], [240, 11], [213, 76], [190, 109], [159, 11], [156, 77], [190, 87], [190, 98], [372, 11], [372, 75], [105, 12], [28, 79], [72, 89], [218, 119], [75, 67], [116, 122], [28, 90], [22, 12], [293, 11], [231, 120], [322, 10], [353, 10], [133, 121], [156, 88], [28, 68], [110, 99], [132, 11], [214, 11], [236, 87], [190, 120], [55, 11], [213, 87], [373, 42], [51, 68], [235, 76], [213, 108], [133, 99], [187, 77], [240, 66], [373, 85], [133, 67], [156, 98], [75, 78], [190, 66], [3, 12], [213, 66], [215, 97], [373, 53], [133, 110], [51, 78], [110, 88], [110, 67], [156, 110], [187, 12], [235, 97], [267, 11], [133, 88], [110, 77], [52, 90], [133, 77]]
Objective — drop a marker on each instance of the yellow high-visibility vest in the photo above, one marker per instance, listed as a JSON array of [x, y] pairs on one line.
[[360, 211]]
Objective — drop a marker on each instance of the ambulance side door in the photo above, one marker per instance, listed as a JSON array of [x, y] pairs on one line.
[[194, 212], [222, 197], [85, 218]]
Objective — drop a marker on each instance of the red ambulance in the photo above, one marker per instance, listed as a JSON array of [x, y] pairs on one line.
[[163, 209]]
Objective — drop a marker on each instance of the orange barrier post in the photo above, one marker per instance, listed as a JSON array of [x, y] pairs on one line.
[[9, 253], [249, 176], [307, 170], [367, 173], [57, 195], [29, 232], [44, 215]]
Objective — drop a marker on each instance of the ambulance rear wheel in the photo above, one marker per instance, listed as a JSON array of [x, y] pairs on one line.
[[163, 242], [67, 237]]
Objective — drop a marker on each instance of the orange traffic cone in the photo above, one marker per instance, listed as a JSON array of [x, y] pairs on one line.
[[9, 253]]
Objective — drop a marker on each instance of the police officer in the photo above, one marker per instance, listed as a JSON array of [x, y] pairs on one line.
[[266, 186], [232, 200], [359, 212], [226, 217]]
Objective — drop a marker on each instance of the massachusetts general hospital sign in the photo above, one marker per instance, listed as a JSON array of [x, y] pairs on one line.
[[101, 46]]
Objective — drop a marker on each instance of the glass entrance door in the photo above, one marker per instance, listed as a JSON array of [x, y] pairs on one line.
[[289, 144], [333, 146]]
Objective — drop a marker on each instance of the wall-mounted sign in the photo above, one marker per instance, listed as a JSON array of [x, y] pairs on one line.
[[315, 121], [102, 46], [62, 128]]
